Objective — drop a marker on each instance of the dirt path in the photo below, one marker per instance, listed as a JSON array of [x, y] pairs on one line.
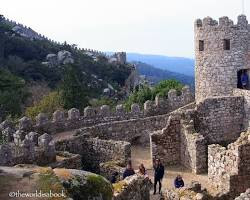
[[142, 155]]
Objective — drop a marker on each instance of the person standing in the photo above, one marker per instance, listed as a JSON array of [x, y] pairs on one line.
[[158, 175]]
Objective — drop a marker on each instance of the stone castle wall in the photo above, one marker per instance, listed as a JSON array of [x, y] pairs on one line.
[[73, 120], [193, 149], [229, 168], [165, 144], [244, 196], [187, 133], [95, 151], [220, 119], [135, 130], [178, 143], [133, 188], [29, 149], [246, 95], [216, 68]]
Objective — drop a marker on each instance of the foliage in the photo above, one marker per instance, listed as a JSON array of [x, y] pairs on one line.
[[103, 101], [2, 139], [48, 105], [163, 88], [139, 96], [98, 185], [73, 88], [23, 58], [90, 187], [12, 94], [145, 93]]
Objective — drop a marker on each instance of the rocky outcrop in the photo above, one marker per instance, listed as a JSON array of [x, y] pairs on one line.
[[61, 58], [244, 196], [134, 187], [190, 192], [65, 183]]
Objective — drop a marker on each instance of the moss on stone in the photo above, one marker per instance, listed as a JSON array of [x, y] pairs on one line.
[[119, 186], [48, 181], [98, 185], [91, 186]]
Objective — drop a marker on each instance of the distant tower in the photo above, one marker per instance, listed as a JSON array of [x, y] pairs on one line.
[[222, 50], [121, 57]]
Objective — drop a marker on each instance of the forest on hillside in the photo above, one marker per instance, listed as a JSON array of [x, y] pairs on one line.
[[25, 80]]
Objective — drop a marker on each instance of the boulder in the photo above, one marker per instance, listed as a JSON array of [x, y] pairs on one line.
[[69, 183], [64, 57]]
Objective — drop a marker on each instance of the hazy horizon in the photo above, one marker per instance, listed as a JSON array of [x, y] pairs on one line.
[[160, 27]]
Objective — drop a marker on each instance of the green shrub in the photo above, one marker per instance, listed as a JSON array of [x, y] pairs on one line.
[[48, 105], [103, 101], [145, 93], [13, 94]]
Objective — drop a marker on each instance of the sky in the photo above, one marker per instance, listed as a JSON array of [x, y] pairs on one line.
[[163, 27]]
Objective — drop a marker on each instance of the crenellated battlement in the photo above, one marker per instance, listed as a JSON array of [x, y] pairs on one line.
[[73, 119], [224, 22]]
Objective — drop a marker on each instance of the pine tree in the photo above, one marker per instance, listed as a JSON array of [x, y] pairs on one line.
[[73, 88]]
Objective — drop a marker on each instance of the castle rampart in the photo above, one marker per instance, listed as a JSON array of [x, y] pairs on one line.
[[73, 119]]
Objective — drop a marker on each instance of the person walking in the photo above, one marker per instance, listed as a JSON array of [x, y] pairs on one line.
[[158, 175]]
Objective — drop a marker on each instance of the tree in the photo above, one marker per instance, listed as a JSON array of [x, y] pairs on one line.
[[12, 94], [145, 93], [49, 104], [163, 87], [73, 88]]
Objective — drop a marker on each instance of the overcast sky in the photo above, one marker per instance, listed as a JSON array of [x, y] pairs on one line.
[[143, 26]]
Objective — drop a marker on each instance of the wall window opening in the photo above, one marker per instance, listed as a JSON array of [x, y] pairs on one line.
[[226, 44], [243, 79], [201, 45]]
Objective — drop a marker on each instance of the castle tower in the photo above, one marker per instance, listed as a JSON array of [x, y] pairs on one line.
[[121, 57], [222, 50]]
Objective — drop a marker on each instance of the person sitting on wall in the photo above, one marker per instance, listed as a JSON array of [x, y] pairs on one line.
[[129, 171], [114, 177], [178, 182], [244, 79], [159, 173]]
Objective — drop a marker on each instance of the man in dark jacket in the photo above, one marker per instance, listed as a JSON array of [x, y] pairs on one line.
[[178, 182], [129, 171], [159, 173]]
